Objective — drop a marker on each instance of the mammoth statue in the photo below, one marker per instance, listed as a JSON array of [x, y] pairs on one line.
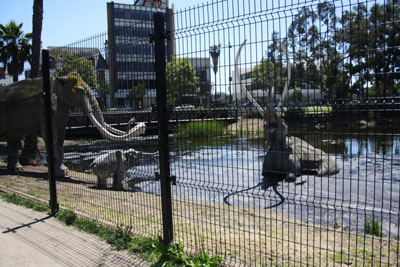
[[286, 156], [22, 114], [117, 162]]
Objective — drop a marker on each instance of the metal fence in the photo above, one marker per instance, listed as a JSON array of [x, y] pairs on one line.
[[271, 131]]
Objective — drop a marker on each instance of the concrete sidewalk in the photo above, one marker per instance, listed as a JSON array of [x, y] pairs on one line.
[[30, 238]]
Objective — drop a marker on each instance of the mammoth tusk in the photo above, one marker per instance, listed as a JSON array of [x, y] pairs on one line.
[[114, 131], [289, 72], [242, 87], [93, 106], [150, 153], [139, 129]]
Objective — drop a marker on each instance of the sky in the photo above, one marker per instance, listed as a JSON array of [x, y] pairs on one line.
[[65, 21], [69, 21]]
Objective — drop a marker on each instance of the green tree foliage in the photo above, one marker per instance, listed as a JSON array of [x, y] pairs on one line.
[[271, 70], [136, 95], [102, 89], [314, 46], [80, 65], [15, 48], [181, 80], [372, 40], [356, 53], [296, 95]]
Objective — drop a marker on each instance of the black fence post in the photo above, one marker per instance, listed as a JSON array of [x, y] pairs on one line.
[[162, 110], [49, 131]]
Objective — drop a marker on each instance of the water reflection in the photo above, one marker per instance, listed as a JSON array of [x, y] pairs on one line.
[[361, 144]]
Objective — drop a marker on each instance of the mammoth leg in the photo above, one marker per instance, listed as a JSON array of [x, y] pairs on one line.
[[101, 179], [119, 170], [59, 122], [12, 152], [59, 129], [117, 183], [30, 154]]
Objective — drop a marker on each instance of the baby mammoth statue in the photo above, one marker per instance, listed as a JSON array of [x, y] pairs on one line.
[[117, 162]]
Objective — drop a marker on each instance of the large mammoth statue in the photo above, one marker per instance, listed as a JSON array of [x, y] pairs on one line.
[[22, 114]]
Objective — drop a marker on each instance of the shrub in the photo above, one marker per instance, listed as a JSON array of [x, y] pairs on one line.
[[201, 129], [372, 227], [66, 216]]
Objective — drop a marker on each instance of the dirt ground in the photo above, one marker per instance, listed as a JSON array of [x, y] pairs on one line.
[[242, 236]]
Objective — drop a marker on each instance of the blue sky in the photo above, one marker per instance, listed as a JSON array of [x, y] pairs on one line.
[[65, 21]]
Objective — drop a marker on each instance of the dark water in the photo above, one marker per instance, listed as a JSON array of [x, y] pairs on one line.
[[228, 171]]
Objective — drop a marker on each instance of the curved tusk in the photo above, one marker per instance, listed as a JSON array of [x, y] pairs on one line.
[[289, 73], [242, 87], [119, 132], [94, 107], [139, 129], [150, 153], [113, 130]]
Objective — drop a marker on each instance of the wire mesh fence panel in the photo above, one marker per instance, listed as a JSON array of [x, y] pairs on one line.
[[21, 107], [112, 164], [104, 129], [283, 136], [296, 159]]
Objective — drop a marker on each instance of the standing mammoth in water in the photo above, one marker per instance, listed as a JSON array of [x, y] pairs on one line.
[[286, 156], [22, 114]]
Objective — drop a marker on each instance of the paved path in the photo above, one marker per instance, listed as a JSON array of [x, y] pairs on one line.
[[30, 238]]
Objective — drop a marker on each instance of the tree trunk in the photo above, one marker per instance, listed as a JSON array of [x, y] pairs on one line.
[[31, 154], [37, 20]]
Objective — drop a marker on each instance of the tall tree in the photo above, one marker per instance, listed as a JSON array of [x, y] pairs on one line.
[[136, 95], [271, 70], [372, 41], [82, 66], [314, 43], [37, 20], [15, 48], [102, 89], [181, 80]]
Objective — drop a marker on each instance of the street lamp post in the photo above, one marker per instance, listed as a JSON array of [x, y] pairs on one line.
[[215, 51]]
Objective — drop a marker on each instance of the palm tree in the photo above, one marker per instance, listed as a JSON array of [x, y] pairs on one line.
[[15, 49], [37, 20]]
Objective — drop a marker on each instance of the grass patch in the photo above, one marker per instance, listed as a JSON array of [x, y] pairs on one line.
[[318, 109], [28, 203], [201, 129], [150, 249], [372, 227], [340, 257], [395, 250], [10, 184], [33, 193]]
